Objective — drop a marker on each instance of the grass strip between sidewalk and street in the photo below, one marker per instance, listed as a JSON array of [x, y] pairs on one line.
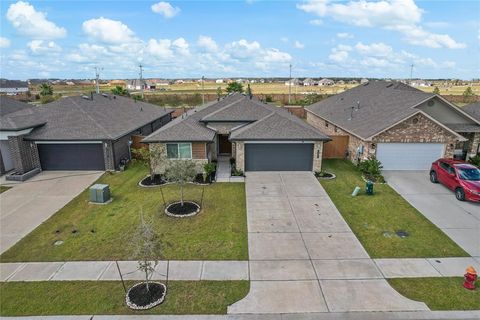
[[376, 219], [108, 297], [438, 293]]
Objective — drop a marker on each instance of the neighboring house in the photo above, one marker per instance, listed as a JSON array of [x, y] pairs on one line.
[[13, 87], [150, 85], [74, 133], [405, 128], [292, 82], [309, 82], [474, 111], [219, 81], [261, 137], [363, 80], [135, 84], [421, 83], [326, 82]]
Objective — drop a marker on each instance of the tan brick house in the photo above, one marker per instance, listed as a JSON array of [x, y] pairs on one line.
[[405, 128], [260, 137]]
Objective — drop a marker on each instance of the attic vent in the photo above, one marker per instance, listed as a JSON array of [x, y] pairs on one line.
[[85, 97], [430, 103], [105, 95], [415, 120], [389, 85]]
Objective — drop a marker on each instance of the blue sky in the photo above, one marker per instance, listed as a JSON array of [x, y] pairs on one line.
[[176, 39]]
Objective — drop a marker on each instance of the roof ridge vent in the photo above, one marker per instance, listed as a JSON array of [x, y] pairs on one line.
[[85, 97], [389, 85], [106, 95]]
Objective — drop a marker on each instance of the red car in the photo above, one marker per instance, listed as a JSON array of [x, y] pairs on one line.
[[458, 176]]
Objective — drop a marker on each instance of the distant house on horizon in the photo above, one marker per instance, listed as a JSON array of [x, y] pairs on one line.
[[309, 82], [13, 87], [363, 81], [135, 84], [326, 82]]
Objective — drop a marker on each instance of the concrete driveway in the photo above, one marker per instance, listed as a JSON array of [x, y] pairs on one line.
[[303, 255], [28, 204], [459, 220]]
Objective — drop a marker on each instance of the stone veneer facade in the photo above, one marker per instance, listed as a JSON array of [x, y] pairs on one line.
[[416, 129]]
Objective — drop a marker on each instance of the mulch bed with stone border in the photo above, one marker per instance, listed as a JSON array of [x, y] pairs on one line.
[[325, 175], [139, 298], [188, 209], [147, 182]]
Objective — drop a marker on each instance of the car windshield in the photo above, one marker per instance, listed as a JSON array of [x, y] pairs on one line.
[[472, 174]]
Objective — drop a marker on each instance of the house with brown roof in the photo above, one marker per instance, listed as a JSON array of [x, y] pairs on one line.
[[261, 137], [405, 128]]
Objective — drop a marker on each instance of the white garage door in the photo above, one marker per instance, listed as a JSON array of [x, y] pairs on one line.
[[409, 156]]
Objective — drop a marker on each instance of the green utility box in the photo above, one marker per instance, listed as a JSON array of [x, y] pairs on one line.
[[99, 193], [369, 188]]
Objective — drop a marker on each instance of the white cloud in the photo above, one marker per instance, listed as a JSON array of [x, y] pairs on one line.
[[43, 47], [181, 46], [32, 23], [339, 54], [207, 44], [375, 49], [275, 56], [242, 49], [160, 48], [344, 35], [4, 42], [284, 39], [165, 9], [316, 22], [403, 16], [108, 31], [298, 45]]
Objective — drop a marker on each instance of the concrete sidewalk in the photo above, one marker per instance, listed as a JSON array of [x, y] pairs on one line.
[[303, 255], [29, 203], [418, 315], [107, 270]]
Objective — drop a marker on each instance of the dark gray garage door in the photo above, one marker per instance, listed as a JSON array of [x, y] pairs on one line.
[[278, 157], [87, 156]]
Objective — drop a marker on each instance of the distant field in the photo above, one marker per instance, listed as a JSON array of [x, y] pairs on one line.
[[257, 88]]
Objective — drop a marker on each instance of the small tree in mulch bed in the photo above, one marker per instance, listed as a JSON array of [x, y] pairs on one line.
[[149, 157], [181, 172], [147, 249]]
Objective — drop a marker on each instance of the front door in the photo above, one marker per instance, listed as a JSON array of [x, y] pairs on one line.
[[224, 146]]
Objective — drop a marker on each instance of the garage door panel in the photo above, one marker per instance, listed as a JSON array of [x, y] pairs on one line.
[[88, 156], [278, 157], [409, 156]]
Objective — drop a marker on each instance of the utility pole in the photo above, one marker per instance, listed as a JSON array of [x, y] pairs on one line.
[[290, 85], [97, 79], [203, 91], [141, 78], [411, 73]]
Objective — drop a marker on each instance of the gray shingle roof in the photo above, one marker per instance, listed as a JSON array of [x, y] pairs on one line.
[[103, 118], [381, 104], [278, 125], [473, 110], [267, 123], [16, 115]]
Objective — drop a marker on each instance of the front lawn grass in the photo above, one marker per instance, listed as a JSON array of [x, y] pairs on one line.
[[104, 232], [375, 219], [438, 293], [108, 297]]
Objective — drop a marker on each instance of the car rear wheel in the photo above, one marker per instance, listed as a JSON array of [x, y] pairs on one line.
[[433, 177], [460, 194]]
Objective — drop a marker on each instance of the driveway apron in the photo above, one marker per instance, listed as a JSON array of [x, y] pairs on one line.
[[303, 255], [29, 203]]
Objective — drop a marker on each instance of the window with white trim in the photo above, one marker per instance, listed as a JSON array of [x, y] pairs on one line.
[[179, 150]]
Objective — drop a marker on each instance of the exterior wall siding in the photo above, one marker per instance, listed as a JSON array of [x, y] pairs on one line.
[[198, 150]]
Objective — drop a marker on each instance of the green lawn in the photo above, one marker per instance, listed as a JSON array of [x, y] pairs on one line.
[[3, 189], [108, 297], [104, 232], [375, 219], [439, 293]]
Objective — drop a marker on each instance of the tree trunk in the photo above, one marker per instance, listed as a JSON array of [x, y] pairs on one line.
[[146, 277], [181, 194]]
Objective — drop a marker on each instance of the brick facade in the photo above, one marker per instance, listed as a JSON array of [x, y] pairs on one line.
[[161, 150], [416, 129], [474, 145], [24, 154]]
